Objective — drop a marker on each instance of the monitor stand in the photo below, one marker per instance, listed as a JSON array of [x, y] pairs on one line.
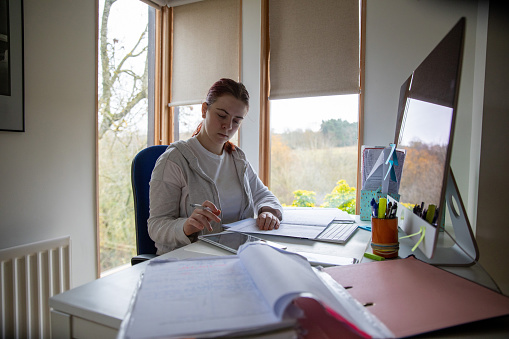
[[431, 249]]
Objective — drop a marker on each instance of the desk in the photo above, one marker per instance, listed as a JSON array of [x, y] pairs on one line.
[[95, 310]]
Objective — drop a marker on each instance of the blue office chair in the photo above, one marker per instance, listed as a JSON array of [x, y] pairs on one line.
[[141, 171]]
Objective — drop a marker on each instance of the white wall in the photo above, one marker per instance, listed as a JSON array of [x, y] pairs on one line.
[[47, 174], [493, 230], [399, 35]]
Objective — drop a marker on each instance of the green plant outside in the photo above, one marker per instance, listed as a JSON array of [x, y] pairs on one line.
[[116, 208], [342, 197], [304, 198]]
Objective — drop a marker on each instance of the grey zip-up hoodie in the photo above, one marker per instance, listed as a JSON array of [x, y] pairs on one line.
[[177, 181]]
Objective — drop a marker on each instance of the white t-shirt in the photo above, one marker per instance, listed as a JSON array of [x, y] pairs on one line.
[[221, 169]]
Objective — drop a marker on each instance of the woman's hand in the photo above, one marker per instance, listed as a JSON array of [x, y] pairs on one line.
[[201, 218], [267, 221]]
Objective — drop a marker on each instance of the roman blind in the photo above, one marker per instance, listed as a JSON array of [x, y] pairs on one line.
[[314, 48], [206, 47], [170, 3]]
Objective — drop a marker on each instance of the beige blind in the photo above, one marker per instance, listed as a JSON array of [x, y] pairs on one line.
[[170, 3], [205, 47], [314, 48]]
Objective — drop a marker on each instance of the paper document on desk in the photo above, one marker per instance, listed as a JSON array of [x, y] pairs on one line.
[[286, 230], [375, 176], [314, 216], [304, 223], [218, 296], [374, 168]]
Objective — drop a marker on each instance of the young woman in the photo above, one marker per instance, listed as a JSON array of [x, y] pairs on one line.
[[208, 170]]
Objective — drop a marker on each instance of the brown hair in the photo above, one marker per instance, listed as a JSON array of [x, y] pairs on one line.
[[220, 88]]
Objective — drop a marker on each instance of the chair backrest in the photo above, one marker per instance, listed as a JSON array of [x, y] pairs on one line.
[[141, 171]]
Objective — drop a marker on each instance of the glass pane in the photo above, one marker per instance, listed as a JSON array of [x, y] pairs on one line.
[[314, 151], [425, 136], [122, 122], [187, 119]]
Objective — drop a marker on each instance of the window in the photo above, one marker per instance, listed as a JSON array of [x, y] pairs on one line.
[[146, 56], [125, 120], [313, 109], [193, 61], [135, 89], [314, 151]]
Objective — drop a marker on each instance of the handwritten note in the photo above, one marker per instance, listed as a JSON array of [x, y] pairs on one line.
[[206, 295]]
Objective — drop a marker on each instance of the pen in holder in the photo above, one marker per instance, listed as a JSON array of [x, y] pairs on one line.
[[384, 237]]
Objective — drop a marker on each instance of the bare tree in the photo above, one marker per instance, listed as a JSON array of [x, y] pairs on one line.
[[116, 75]]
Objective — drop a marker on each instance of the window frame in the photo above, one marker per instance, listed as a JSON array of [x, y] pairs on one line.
[[164, 113]]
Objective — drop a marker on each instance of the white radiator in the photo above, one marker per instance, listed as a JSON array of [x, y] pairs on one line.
[[30, 275]]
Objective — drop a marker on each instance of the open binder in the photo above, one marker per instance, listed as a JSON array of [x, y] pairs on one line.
[[263, 289]]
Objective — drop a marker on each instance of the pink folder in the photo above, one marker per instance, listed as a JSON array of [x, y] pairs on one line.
[[411, 297]]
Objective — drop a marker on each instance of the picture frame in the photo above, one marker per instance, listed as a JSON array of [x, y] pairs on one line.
[[12, 91]]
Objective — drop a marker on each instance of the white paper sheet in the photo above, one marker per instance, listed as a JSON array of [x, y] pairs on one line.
[[202, 295], [287, 230], [372, 168]]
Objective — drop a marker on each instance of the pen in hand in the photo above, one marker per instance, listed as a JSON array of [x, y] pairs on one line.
[[195, 221], [201, 207], [206, 208]]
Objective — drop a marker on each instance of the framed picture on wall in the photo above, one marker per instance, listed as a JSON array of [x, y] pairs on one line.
[[12, 93]]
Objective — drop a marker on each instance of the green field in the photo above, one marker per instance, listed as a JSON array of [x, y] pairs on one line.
[[316, 170]]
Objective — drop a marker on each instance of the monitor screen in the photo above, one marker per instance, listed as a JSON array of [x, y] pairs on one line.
[[425, 125]]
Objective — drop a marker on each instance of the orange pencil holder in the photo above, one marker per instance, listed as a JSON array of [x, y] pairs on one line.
[[384, 237]]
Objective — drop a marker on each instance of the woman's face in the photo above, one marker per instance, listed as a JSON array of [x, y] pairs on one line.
[[221, 120]]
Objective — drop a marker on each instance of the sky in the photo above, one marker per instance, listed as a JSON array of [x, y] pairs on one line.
[[308, 113], [127, 19]]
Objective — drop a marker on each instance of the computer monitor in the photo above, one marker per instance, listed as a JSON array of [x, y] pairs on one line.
[[425, 129]]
